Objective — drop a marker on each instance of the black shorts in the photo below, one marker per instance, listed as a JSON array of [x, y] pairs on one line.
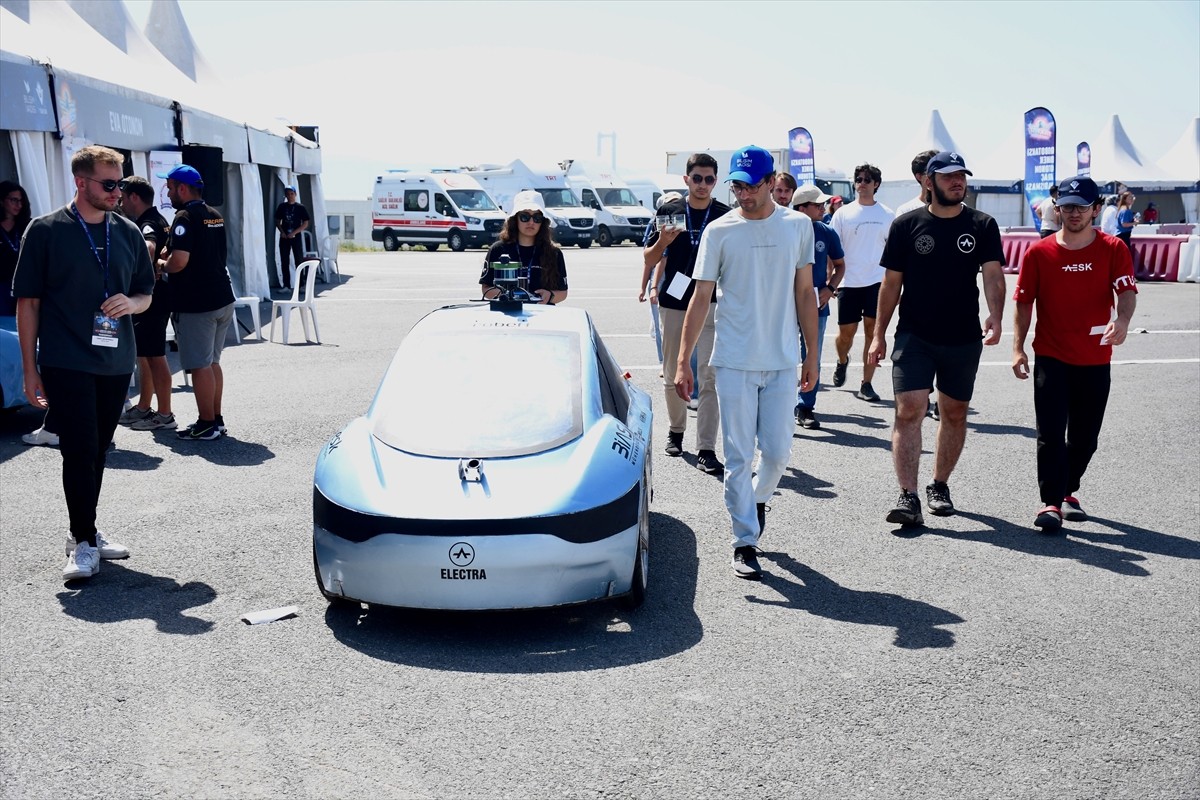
[[915, 362], [150, 330], [857, 302]]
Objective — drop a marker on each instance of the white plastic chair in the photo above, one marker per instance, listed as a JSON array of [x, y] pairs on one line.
[[283, 308], [252, 304], [329, 265]]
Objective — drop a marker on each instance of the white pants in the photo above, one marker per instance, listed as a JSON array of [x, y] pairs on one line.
[[756, 408]]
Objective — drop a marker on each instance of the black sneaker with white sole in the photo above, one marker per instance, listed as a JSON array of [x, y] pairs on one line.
[[907, 510], [937, 494], [867, 392], [674, 444], [745, 563], [706, 461], [806, 419], [200, 431], [839, 373]]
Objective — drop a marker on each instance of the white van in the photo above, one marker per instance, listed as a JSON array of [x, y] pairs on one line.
[[619, 216], [573, 224], [431, 209], [650, 189]]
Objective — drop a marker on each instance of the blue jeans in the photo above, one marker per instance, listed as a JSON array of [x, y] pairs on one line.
[[809, 399]]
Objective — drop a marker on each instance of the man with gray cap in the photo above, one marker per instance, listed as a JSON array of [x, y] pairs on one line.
[[761, 256], [932, 259], [291, 219]]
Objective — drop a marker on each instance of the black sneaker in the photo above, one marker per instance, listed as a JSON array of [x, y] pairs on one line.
[[932, 411], [937, 494], [745, 563], [200, 431], [674, 444], [866, 392], [907, 511], [221, 425], [1072, 511], [1049, 519], [762, 509], [839, 373], [806, 419], [706, 461]]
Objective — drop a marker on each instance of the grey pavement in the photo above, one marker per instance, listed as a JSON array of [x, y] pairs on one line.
[[977, 659]]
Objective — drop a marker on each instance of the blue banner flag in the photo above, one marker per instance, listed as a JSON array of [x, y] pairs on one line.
[[800, 156], [1083, 160], [1039, 158]]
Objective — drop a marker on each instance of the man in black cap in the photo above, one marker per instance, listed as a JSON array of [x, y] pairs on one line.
[[932, 258], [291, 219], [1072, 278]]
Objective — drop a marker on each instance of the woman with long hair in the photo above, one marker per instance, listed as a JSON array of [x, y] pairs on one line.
[[14, 218], [1125, 220], [527, 240]]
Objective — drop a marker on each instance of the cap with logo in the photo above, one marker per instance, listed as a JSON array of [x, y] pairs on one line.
[[808, 193], [750, 165], [183, 174], [946, 162], [1078, 192]]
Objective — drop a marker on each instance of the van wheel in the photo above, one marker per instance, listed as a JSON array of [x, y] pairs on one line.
[[457, 241], [604, 237], [390, 243], [432, 246], [585, 244]]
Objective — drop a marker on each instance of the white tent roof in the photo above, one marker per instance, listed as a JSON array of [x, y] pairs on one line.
[[1116, 158], [1182, 161], [933, 136], [1007, 162], [167, 30]]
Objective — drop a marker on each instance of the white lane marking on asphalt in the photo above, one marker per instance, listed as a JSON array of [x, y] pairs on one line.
[[1116, 363]]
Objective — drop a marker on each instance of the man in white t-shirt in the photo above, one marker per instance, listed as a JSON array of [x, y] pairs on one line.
[[863, 227], [760, 256], [1048, 213], [1108, 217], [919, 162]]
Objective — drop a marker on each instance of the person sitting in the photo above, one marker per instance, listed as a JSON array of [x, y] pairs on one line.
[[527, 239]]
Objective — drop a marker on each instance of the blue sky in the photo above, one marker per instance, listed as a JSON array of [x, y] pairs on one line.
[[451, 83]]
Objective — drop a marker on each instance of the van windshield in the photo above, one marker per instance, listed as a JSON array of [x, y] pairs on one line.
[[558, 198], [618, 197], [472, 200]]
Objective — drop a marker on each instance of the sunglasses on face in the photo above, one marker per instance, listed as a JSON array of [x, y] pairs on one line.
[[705, 179], [527, 217], [864, 179], [108, 186]]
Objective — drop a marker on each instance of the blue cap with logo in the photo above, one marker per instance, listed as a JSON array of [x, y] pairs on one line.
[[183, 174], [750, 165], [945, 162], [1077, 192]]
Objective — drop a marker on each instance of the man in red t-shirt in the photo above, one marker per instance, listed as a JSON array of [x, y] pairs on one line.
[[1072, 277]]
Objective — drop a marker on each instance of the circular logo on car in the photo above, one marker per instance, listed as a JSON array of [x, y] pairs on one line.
[[966, 243], [461, 554], [924, 244]]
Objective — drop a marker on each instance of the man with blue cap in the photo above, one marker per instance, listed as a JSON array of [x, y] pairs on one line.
[[761, 256]]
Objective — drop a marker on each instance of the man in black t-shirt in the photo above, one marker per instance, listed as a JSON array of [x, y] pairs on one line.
[[290, 218], [201, 294], [672, 291], [150, 327], [933, 257]]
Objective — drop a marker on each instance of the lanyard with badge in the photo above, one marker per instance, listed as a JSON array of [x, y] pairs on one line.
[[104, 327], [680, 281], [14, 242]]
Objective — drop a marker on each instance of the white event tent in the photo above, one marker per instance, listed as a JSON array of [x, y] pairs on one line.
[[1182, 162], [76, 72]]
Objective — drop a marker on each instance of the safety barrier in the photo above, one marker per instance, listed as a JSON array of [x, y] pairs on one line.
[[1014, 245], [1156, 258], [1176, 229], [1189, 260]]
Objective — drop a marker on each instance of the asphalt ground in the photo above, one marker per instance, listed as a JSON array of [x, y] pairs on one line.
[[975, 659]]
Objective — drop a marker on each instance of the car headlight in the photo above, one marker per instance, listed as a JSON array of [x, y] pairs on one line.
[[473, 220], [620, 220]]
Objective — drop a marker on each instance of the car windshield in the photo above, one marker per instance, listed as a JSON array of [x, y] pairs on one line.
[[558, 198], [492, 391], [619, 197], [472, 200]]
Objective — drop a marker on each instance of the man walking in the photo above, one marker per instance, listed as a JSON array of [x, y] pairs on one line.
[[1072, 278], [919, 162], [761, 256], [932, 258], [202, 294], [1048, 214], [827, 249], [81, 275], [862, 227], [673, 294], [291, 219], [150, 327]]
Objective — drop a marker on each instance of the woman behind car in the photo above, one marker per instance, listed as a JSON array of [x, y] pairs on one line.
[[14, 218], [527, 241]]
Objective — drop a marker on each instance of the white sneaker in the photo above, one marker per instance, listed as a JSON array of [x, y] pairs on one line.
[[107, 549], [41, 437], [84, 562]]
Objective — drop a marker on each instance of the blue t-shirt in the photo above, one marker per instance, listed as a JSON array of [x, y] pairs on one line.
[[1124, 218], [827, 244]]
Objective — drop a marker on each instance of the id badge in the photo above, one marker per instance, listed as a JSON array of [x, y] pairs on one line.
[[104, 330]]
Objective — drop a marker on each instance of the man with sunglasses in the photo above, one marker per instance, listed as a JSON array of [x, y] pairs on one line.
[[761, 256], [933, 259], [862, 227], [82, 273], [673, 292], [1072, 278]]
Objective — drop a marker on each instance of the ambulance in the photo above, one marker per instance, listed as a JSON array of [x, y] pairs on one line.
[[573, 224], [432, 209], [619, 215]]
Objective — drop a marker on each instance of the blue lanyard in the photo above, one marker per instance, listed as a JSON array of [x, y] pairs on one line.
[[13, 242], [694, 233], [92, 243]]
